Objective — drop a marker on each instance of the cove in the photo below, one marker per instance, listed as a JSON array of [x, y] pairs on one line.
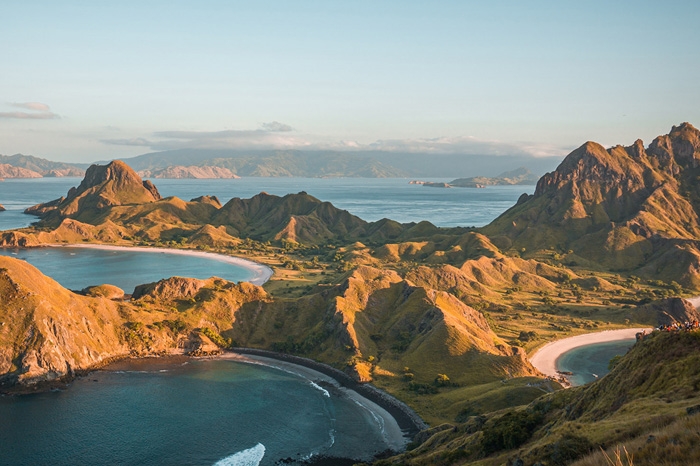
[[77, 267], [202, 411], [590, 362]]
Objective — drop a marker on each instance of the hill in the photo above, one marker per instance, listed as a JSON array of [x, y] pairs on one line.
[[649, 403], [624, 208], [37, 165]]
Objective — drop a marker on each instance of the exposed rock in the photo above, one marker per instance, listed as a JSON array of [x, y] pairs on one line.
[[170, 288], [2, 208], [666, 312]]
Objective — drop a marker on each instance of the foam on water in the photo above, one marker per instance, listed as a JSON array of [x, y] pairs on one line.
[[318, 387], [250, 457]]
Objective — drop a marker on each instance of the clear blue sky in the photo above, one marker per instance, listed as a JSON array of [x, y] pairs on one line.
[[90, 80]]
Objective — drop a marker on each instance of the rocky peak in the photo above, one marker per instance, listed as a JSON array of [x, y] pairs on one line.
[[117, 172]]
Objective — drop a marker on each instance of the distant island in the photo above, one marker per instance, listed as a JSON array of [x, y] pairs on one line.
[[520, 176]]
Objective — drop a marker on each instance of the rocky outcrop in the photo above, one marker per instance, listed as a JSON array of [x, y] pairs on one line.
[[666, 312], [189, 172], [2, 208]]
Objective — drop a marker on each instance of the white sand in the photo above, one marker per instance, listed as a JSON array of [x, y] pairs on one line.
[[262, 273], [545, 359]]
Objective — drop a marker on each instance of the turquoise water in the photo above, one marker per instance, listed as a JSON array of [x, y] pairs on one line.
[[78, 268], [192, 414], [369, 198], [587, 362]]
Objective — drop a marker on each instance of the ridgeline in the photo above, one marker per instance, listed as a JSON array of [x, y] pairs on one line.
[[440, 318]]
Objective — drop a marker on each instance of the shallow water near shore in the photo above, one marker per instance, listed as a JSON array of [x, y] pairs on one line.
[[590, 362], [187, 412]]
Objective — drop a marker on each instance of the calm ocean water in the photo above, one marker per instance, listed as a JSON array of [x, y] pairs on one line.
[[78, 268], [590, 362], [199, 413], [369, 198]]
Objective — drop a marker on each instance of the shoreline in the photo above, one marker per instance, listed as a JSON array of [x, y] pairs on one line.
[[407, 419], [398, 423], [261, 273], [545, 358]]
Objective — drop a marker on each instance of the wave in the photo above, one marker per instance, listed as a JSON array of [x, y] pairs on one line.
[[250, 457], [318, 387]]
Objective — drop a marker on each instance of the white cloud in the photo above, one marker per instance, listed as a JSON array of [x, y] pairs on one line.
[[38, 106], [276, 135], [39, 111]]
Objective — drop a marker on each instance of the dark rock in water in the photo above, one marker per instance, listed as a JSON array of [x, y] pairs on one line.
[[1, 208]]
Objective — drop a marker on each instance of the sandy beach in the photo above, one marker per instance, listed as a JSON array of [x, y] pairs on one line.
[[262, 273], [545, 358]]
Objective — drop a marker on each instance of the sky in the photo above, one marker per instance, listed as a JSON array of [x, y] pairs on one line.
[[92, 80]]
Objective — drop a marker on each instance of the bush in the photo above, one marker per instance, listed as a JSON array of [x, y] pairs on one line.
[[509, 431]]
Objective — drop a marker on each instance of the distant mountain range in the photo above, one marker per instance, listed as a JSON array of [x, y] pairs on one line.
[[199, 163], [27, 166], [367, 164]]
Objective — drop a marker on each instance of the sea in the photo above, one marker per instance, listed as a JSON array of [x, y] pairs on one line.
[[589, 363], [197, 412], [371, 199], [77, 268]]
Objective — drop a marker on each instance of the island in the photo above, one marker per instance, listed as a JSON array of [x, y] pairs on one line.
[[443, 319]]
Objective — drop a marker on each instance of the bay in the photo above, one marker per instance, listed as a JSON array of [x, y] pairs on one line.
[[76, 268], [154, 412], [368, 198], [590, 362]]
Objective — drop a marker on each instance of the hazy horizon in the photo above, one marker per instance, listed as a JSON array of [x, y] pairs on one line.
[[87, 82]]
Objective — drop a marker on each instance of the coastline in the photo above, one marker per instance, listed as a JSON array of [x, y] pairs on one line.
[[545, 358], [407, 420], [262, 273]]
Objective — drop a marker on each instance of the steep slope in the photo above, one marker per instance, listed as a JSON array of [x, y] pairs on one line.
[[104, 186], [49, 332], [625, 208]]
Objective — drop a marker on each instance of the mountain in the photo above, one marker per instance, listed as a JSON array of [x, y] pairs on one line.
[[519, 176], [40, 166], [623, 208], [369, 164], [108, 185]]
